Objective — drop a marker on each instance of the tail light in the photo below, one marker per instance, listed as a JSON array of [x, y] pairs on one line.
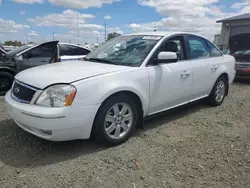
[[246, 70]]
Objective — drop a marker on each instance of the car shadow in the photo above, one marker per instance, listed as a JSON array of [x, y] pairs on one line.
[[21, 149], [169, 116]]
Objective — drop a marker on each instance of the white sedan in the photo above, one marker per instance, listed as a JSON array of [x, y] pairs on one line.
[[109, 93]]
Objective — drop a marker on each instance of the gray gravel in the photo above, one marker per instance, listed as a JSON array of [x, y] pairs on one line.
[[196, 146]]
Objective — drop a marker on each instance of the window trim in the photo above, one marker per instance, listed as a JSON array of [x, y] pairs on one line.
[[207, 43], [184, 45]]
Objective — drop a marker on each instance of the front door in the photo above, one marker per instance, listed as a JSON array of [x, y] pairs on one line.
[[39, 55], [170, 83]]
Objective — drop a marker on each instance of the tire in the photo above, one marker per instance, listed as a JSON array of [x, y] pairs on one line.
[[213, 98], [6, 80], [107, 124]]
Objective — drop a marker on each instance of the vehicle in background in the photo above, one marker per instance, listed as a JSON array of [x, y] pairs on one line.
[[2, 54], [121, 82], [2, 49], [29, 56], [240, 49], [226, 52]]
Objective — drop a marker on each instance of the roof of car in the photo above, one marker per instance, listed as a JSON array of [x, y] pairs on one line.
[[163, 33]]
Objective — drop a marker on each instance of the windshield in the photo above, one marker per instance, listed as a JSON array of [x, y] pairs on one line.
[[125, 50], [18, 50]]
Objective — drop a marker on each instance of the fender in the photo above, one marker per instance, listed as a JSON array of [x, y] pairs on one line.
[[94, 91], [114, 90]]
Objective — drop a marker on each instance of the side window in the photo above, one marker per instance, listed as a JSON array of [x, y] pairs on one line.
[[198, 48], [213, 50], [44, 50], [174, 45], [67, 50], [82, 51]]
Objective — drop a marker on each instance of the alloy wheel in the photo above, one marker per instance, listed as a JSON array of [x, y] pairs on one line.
[[118, 120], [220, 91]]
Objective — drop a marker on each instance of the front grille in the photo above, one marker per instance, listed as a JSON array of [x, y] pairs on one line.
[[22, 92]]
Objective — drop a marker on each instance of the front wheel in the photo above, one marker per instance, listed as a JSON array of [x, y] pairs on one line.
[[115, 120], [6, 80], [218, 93]]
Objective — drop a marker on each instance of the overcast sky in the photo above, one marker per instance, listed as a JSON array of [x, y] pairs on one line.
[[36, 20]]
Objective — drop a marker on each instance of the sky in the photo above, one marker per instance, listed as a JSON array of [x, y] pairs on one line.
[[37, 20]]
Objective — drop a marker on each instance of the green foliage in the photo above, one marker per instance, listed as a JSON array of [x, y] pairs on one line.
[[13, 43], [113, 35]]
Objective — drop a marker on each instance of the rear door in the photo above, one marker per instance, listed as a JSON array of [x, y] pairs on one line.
[[40, 55], [205, 59]]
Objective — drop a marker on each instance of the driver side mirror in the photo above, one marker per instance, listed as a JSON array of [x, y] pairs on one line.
[[167, 57]]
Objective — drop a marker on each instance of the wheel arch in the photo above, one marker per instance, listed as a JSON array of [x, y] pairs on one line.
[[226, 76], [9, 70], [138, 98]]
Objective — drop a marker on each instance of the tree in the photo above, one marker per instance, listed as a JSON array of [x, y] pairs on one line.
[[113, 35], [13, 43]]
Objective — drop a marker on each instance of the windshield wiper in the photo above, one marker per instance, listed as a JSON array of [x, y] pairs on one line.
[[100, 60]]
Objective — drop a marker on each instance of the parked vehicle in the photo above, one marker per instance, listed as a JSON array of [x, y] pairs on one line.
[[120, 83], [240, 49], [2, 50], [226, 52], [2, 54], [31, 56]]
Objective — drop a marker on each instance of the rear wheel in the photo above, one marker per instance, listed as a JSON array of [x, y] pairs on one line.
[[218, 93], [115, 120], [6, 80]]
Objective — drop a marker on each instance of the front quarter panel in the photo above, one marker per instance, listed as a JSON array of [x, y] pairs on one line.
[[95, 90]]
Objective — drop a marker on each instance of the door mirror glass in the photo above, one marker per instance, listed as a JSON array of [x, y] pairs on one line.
[[167, 57]]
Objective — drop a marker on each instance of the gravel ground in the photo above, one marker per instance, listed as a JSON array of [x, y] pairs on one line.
[[196, 146]]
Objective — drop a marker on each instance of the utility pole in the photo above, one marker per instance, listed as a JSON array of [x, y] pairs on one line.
[[97, 40], [105, 32], [27, 40], [78, 29]]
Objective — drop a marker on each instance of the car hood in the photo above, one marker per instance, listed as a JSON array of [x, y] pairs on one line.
[[66, 72]]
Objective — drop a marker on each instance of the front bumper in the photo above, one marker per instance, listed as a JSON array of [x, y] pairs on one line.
[[55, 124], [242, 74]]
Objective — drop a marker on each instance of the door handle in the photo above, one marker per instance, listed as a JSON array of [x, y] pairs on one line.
[[215, 67], [45, 61], [185, 73]]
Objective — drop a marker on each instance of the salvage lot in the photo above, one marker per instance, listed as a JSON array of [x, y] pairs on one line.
[[196, 146]]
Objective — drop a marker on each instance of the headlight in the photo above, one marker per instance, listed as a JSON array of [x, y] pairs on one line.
[[60, 95]]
